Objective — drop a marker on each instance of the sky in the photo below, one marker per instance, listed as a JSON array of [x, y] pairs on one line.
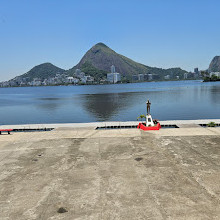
[[159, 33]]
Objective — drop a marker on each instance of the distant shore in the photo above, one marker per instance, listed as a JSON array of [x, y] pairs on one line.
[[211, 80], [98, 84]]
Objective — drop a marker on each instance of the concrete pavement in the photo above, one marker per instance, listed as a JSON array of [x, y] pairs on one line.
[[111, 174]]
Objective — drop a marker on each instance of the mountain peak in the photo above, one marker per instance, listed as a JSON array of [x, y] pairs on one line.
[[100, 44], [43, 71], [103, 57], [44, 64]]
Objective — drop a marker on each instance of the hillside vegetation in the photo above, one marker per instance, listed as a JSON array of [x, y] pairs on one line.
[[43, 71], [97, 63], [102, 57]]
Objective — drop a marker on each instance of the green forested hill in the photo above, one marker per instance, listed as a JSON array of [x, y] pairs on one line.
[[97, 63], [102, 57], [43, 71]]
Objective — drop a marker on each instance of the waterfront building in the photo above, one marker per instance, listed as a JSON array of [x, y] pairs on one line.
[[185, 75], [90, 79], [113, 77], [102, 81], [134, 77], [72, 80], [141, 77], [167, 77], [75, 80], [79, 74], [117, 77], [110, 77], [113, 69], [22, 84], [36, 82], [87, 79], [150, 77], [45, 82], [51, 81], [145, 77], [5, 84], [196, 70]]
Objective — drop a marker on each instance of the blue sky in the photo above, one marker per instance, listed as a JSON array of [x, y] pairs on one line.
[[161, 33]]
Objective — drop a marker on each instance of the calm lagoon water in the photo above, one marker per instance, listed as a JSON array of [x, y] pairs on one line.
[[120, 102]]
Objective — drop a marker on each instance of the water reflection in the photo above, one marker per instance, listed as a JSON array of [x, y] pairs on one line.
[[104, 106], [51, 103], [50, 99], [51, 106], [128, 106], [215, 94]]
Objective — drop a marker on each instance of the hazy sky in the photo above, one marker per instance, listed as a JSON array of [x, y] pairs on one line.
[[161, 33]]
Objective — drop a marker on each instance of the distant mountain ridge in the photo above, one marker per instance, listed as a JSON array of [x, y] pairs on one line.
[[96, 63]]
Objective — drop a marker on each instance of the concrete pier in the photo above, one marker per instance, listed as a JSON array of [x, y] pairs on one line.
[[179, 123], [74, 173]]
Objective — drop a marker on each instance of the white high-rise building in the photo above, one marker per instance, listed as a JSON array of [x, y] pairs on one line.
[[150, 77], [112, 69], [185, 75], [113, 77], [141, 77]]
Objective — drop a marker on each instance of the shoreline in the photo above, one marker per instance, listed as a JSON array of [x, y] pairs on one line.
[[179, 123], [174, 80]]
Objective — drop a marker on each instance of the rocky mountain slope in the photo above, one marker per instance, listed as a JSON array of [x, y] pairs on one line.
[[215, 64], [102, 57], [97, 63]]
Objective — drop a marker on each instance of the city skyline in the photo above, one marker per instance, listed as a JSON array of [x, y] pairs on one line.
[[162, 34]]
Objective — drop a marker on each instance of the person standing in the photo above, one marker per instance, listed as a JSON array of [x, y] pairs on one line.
[[148, 106]]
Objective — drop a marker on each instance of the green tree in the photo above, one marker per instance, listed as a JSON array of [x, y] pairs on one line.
[[214, 78], [141, 117]]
